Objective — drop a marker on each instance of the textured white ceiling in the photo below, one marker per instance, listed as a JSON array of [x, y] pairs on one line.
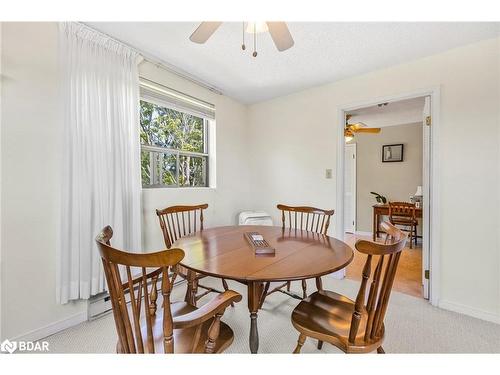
[[323, 52]]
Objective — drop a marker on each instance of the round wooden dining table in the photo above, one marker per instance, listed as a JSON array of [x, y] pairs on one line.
[[224, 252]]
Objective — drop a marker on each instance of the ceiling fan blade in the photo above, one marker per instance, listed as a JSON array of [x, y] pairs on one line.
[[204, 31], [358, 125], [366, 130], [281, 35]]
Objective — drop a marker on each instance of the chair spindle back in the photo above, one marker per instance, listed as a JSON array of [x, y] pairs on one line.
[[180, 221], [311, 219], [381, 285], [401, 209], [132, 268]]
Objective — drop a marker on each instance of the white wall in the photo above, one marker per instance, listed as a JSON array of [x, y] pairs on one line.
[[498, 160], [31, 142], [295, 139], [30, 165]]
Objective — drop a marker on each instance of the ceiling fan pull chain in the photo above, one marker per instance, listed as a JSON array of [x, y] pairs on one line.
[[243, 47], [254, 54]]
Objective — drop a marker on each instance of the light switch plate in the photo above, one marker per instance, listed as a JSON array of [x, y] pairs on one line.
[[328, 173]]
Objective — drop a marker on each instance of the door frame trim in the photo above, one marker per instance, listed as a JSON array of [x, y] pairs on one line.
[[355, 198], [434, 212]]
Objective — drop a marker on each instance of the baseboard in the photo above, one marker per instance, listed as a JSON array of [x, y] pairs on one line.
[[470, 311], [52, 328]]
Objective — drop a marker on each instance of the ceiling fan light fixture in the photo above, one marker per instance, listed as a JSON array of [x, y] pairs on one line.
[[256, 27], [348, 135], [278, 31]]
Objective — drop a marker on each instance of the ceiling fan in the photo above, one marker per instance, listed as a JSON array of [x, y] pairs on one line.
[[351, 129], [279, 33]]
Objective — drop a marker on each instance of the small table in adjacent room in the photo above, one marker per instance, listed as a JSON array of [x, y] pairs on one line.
[[381, 210], [224, 252]]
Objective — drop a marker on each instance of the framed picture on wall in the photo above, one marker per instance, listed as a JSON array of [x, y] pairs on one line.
[[392, 153]]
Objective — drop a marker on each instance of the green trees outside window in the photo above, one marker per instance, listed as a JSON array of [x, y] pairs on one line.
[[173, 147]]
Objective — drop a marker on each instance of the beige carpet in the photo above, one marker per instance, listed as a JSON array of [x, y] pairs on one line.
[[412, 326]]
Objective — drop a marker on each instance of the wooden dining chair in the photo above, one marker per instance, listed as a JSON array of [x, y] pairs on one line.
[[354, 326], [306, 218], [181, 221], [403, 214], [180, 327]]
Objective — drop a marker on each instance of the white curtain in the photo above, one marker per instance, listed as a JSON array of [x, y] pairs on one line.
[[101, 181]]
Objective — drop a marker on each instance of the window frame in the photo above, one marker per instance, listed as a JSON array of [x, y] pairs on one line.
[[205, 155]]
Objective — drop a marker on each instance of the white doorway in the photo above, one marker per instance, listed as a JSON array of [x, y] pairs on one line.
[[426, 129], [430, 222], [350, 188]]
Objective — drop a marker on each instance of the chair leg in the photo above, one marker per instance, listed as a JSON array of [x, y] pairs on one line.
[[304, 289], [380, 350], [300, 342], [320, 344], [190, 292], [224, 284], [195, 290], [319, 284], [411, 237], [264, 294], [288, 285], [226, 288]]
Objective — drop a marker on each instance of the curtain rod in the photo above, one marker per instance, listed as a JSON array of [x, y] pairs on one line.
[[160, 63]]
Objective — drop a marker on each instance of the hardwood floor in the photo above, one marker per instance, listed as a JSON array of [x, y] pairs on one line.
[[409, 275]]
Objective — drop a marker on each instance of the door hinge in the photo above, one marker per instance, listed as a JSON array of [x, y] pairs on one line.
[[428, 121], [427, 274]]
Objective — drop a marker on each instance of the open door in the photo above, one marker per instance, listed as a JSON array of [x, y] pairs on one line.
[[350, 188], [427, 121]]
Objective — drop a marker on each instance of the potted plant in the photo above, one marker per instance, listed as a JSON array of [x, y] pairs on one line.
[[379, 198]]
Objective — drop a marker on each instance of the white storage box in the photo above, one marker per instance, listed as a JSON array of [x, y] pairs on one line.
[[255, 218]]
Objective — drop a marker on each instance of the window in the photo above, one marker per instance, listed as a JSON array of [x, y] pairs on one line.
[[174, 144]]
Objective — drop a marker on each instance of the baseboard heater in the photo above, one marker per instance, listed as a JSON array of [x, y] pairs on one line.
[[100, 304]]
